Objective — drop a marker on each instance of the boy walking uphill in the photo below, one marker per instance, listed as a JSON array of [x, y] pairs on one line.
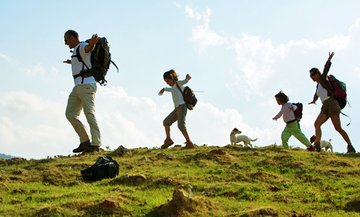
[[179, 113], [292, 124]]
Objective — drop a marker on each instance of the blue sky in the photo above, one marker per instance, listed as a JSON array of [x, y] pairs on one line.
[[239, 53]]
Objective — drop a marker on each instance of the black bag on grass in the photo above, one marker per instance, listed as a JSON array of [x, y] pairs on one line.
[[104, 167]]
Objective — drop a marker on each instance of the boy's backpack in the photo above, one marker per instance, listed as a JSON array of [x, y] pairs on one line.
[[298, 112], [104, 167], [189, 97], [339, 90], [100, 61]]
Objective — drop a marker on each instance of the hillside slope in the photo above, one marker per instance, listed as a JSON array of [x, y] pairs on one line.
[[207, 181]]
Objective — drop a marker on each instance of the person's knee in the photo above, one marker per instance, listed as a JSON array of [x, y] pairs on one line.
[[70, 116], [339, 129], [166, 123], [317, 125], [181, 126], [89, 114]]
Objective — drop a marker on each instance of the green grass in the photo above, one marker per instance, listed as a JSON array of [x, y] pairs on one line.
[[227, 181]]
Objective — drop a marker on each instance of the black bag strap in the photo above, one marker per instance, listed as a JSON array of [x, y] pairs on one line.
[[347, 117], [115, 65], [82, 72], [182, 93]]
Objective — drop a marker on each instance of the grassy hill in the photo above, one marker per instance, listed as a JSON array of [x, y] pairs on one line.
[[207, 181]]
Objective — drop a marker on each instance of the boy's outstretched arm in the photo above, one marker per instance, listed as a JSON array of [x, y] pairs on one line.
[[188, 77], [161, 91]]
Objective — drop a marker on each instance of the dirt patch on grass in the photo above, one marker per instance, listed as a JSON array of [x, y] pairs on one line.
[[54, 176], [353, 205], [266, 211], [217, 155], [184, 205], [265, 177], [134, 180], [339, 163]]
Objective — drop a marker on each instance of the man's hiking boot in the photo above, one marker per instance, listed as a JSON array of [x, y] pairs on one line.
[[350, 149], [311, 148], [82, 147], [189, 145], [317, 147], [92, 148], [167, 144]]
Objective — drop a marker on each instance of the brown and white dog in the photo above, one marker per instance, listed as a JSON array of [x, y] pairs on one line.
[[236, 137], [325, 145]]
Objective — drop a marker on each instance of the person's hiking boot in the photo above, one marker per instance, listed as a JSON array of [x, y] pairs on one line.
[[167, 144], [317, 147], [92, 148], [350, 149], [82, 147], [189, 145], [310, 148]]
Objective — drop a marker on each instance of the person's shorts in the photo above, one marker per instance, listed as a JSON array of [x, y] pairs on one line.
[[330, 107]]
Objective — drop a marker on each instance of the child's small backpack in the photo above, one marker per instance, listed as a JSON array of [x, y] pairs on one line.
[[100, 61], [189, 97], [339, 90], [104, 167], [298, 112]]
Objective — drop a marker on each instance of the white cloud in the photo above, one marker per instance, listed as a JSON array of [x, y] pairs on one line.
[[257, 57], [357, 71], [202, 36], [31, 126], [213, 126], [355, 27], [335, 43], [192, 14], [36, 70], [5, 57], [25, 103]]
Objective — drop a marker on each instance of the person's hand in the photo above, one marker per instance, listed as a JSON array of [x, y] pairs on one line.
[[188, 77], [331, 54], [67, 61], [274, 119], [94, 39], [161, 92], [92, 42]]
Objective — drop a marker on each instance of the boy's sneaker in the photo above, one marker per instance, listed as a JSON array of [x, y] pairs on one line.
[[167, 143], [311, 148], [189, 145], [82, 147], [317, 147], [350, 149]]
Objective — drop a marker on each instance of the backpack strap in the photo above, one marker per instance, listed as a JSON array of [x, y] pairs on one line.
[[182, 93], [82, 73], [347, 117], [115, 65]]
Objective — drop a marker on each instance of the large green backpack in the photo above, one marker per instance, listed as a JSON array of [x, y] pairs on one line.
[[339, 90]]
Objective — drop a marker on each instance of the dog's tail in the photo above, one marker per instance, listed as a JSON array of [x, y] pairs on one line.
[[253, 140]]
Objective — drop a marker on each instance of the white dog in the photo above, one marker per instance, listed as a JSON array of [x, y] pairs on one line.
[[236, 137], [325, 145]]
